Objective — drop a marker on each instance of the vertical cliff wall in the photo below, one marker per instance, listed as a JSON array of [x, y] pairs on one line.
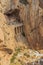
[[29, 15]]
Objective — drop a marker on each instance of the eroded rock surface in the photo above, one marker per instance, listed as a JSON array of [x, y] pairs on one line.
[[20, 30]]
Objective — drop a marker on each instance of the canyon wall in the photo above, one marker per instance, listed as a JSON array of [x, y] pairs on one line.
[[29, 15]]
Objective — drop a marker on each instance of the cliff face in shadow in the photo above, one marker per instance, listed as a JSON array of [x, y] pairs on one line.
[[33, 25], [41, 3]]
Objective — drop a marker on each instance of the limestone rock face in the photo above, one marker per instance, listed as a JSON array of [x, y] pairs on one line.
[[12, 14], [7, 36], [6, 5], [29, 15]]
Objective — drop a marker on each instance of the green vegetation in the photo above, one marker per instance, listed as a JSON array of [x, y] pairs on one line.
[[18, 49], [17, 63], [26, 54], [13, 57], [15, 54]]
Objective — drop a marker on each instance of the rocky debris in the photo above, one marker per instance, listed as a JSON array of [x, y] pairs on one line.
[[25, 56]]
